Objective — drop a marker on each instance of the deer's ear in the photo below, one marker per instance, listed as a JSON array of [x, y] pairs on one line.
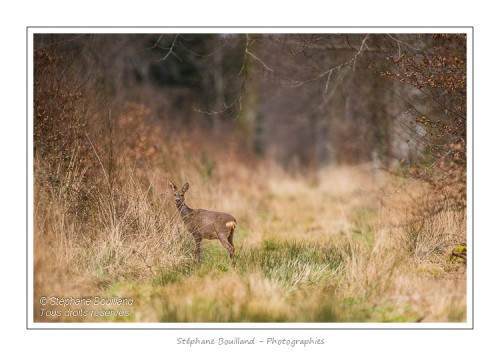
[[172, 186], [185, 187]]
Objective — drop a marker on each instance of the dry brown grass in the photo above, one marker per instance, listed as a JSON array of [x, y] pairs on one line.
[[346, 246]]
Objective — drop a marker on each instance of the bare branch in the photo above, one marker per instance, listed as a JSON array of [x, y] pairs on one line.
[[259, 60], [157, 41], [399, 43], [171, 49], [349, 63], [64, 41], [328, 80], [238, 101]]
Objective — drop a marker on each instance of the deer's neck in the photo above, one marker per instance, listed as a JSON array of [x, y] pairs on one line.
[[184, 210]]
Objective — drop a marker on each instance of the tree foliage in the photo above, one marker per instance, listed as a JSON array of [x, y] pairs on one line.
[[440, 74]]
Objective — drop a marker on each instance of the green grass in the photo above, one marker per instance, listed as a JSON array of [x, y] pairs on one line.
[[302, 279], [291, 264], [363, 225], [301, 256]]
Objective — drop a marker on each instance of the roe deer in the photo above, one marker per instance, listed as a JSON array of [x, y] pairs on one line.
[[205, 224]]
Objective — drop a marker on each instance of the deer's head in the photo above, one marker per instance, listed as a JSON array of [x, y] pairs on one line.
[[179, 194]]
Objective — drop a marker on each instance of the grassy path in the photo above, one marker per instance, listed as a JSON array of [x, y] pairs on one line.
[[313, 254]]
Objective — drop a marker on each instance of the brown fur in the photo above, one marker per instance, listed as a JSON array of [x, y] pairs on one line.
[[205, 224]]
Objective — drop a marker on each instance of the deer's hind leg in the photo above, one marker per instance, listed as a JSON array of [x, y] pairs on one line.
[[230, 238], [224, 240]]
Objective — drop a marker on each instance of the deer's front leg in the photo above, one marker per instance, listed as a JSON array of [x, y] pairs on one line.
[[197, 241]]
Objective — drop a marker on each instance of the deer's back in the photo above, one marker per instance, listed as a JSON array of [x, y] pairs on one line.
[[209, 224]]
